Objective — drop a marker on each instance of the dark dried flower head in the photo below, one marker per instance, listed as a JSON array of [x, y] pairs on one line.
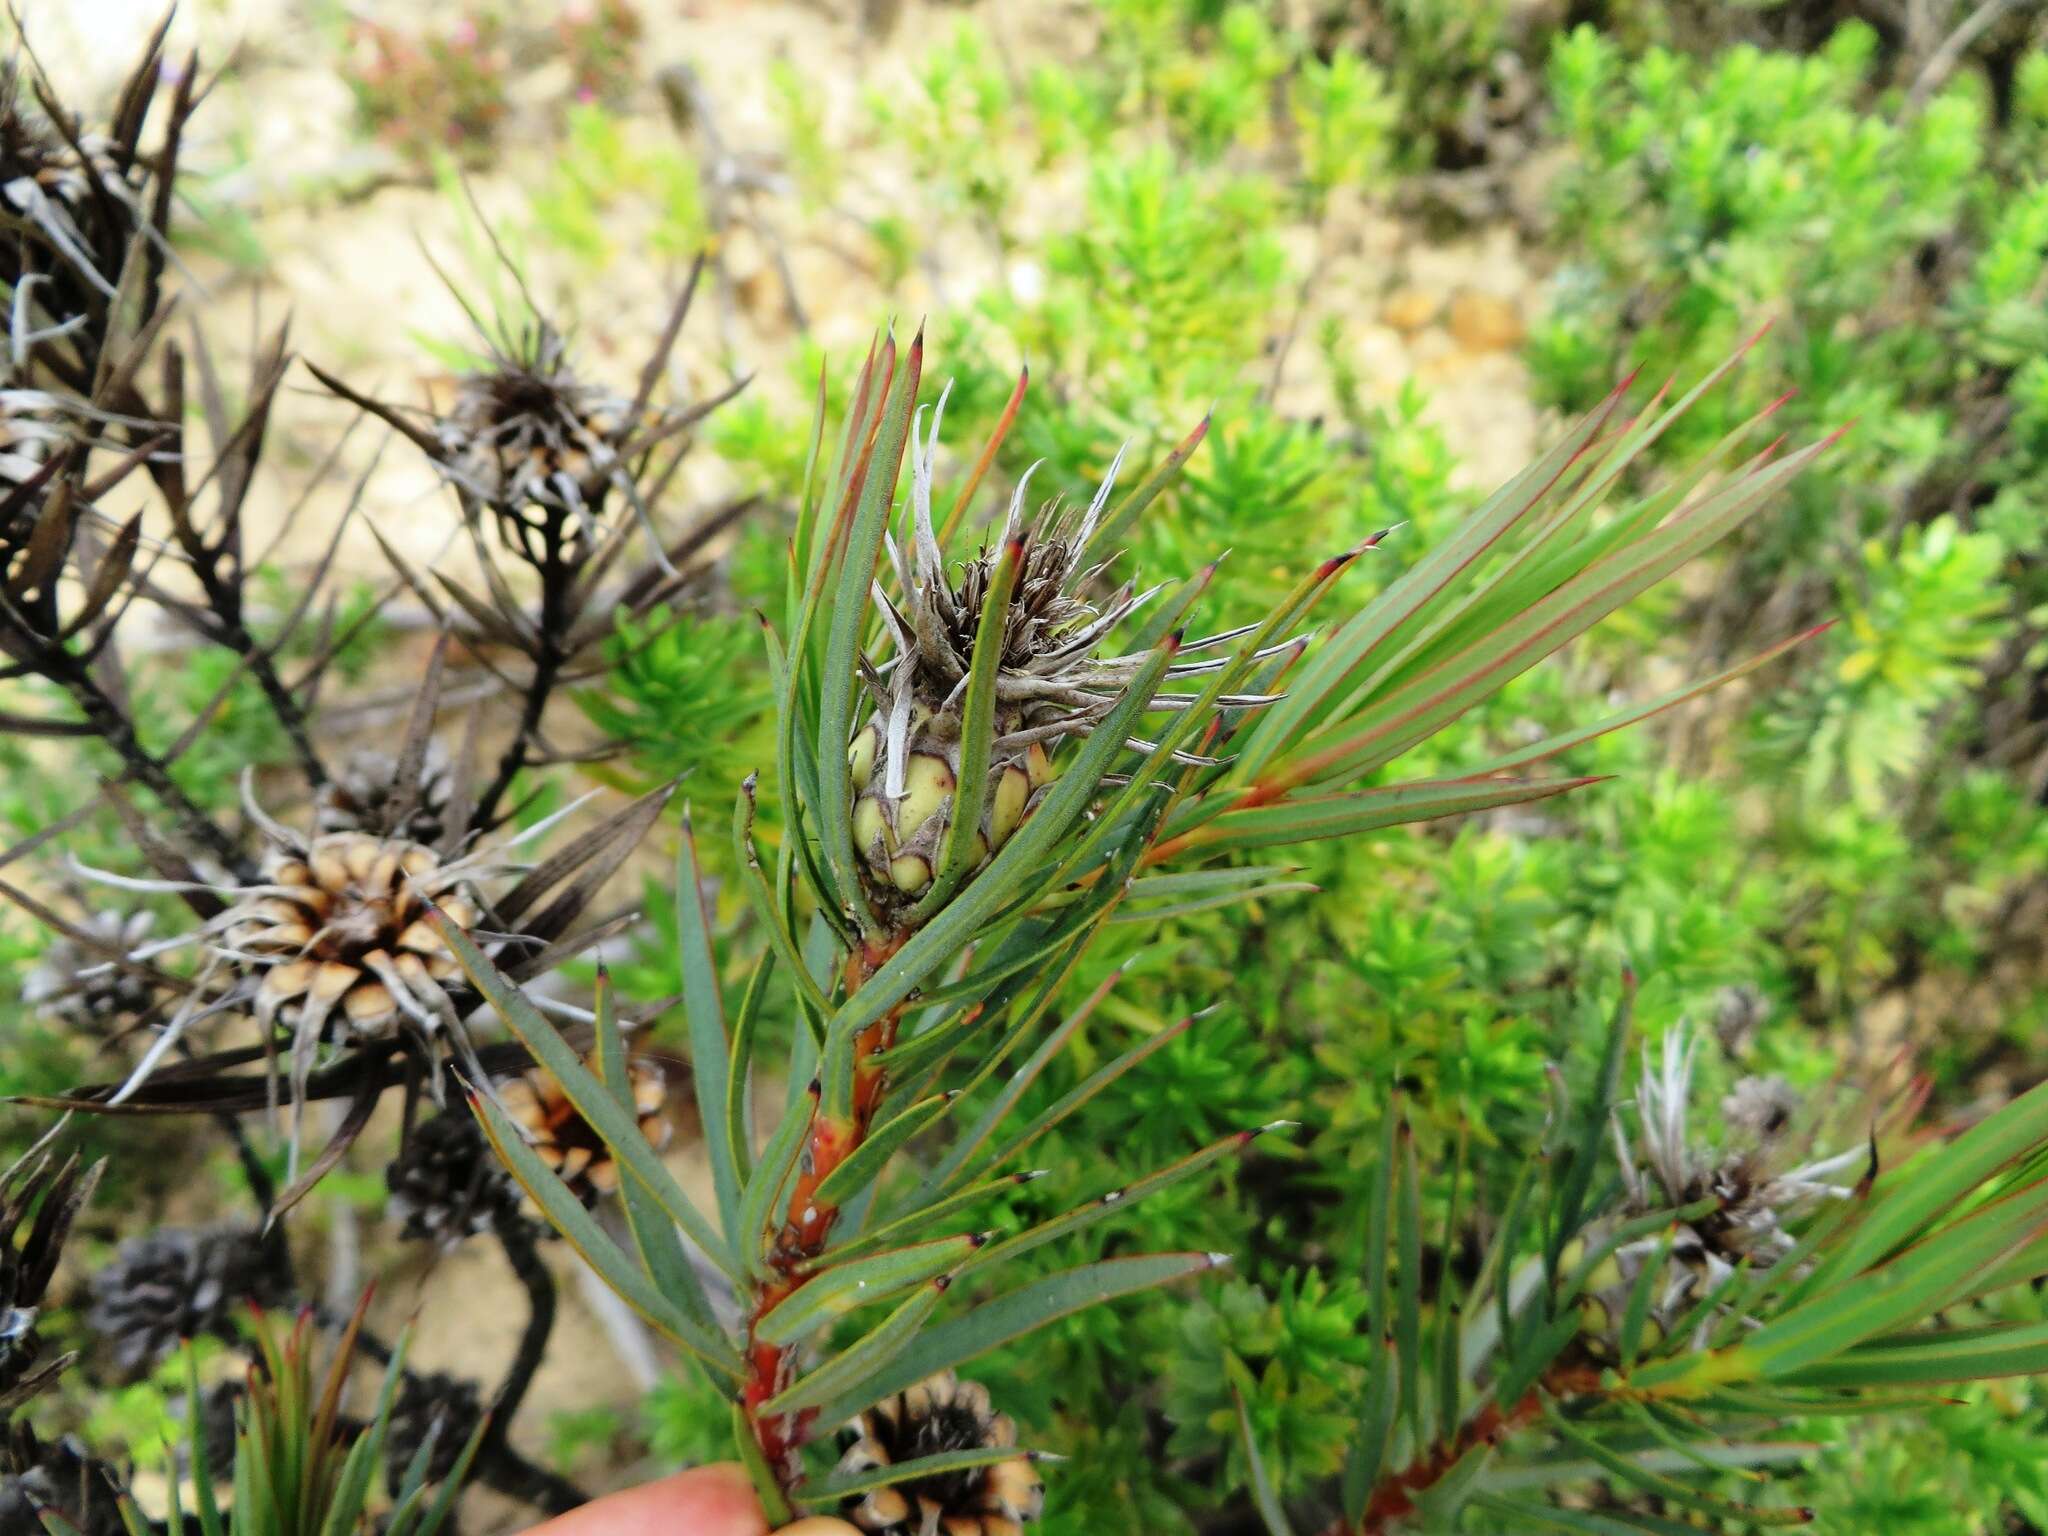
[[369, 794], [527, 433], [445, 1182], [178, 1283], [1052, 680], [84, 985], [431, 1406], [60, 1476], [567, 1142], [939, 1415]]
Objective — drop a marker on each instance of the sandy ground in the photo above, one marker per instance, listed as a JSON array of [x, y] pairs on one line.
[[349, 267]]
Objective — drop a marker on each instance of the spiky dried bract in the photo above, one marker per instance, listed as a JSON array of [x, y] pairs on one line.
[[85, 212], [1747, 1171], [530, 438], [445, 1184], [87, 986], [570, 1144], [178, 1283], [938, 1415], [1052, 679]]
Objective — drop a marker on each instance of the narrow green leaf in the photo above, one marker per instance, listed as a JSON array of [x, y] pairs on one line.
[[942, 938], [1634, 1472], [1088, 1088], [829, 1294], [811, 999], [1008, 1317], [961, 1162], [566, 1213], [1265, 1498], [977, 735], [704, 1016], [1408, 1274], [829, 1491], [767, 1488], [865, 1164], [761, 1199], [739, 1075], [1104, 1206], [618, 1127], [841, 679], [1367, 1457], [845, 1371], [654, 1235]]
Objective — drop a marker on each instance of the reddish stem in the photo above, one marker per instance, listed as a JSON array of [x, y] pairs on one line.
[[1396, 1495], [807, 1222]]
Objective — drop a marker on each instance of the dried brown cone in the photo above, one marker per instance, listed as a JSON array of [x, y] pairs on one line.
[[62, 1477], [431, 1405], [568, 1143], [83, 985], [938, 1415], [178, 1283]]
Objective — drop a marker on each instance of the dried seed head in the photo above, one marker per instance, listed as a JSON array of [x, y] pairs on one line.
[[62, 1477], [335, 937], [85, 986], [940, 1414], [1052, 681], [570, 1144], [38, 1200], [1745, 1174], [178, 1283], [532, 441]]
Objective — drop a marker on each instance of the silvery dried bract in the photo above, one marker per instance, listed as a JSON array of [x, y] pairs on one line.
[[83, 982], [178, 1283], [1052, 679], [939, 1415], [1749, 1171]]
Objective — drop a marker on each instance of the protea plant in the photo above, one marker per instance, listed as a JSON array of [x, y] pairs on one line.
[[986, 752], [1650, 1308]]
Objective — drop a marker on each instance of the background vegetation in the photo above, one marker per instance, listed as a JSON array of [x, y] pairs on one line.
[[1381, 245]]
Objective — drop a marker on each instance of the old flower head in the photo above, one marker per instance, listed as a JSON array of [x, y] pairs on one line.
[[1748, 1177], [940, 1415], [570, 1144], [1023, 602]]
